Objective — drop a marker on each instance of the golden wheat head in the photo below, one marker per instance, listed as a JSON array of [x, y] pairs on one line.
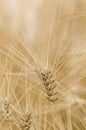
[[25, 121], [50, 85], [5, 109]]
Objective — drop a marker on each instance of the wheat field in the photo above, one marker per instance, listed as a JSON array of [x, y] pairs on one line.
[[42, 64]]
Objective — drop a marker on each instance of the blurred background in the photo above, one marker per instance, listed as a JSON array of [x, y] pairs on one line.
[[34, 17], [41, 21]]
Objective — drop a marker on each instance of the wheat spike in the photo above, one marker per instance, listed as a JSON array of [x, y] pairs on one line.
[[25, 121], [5, 110], [49, 82]]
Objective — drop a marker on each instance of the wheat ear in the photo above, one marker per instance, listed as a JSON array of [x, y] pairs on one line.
[[50, 85], [25, 121], [5, 109]]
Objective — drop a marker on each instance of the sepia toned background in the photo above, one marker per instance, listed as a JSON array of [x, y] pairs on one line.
[[38, 36]]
